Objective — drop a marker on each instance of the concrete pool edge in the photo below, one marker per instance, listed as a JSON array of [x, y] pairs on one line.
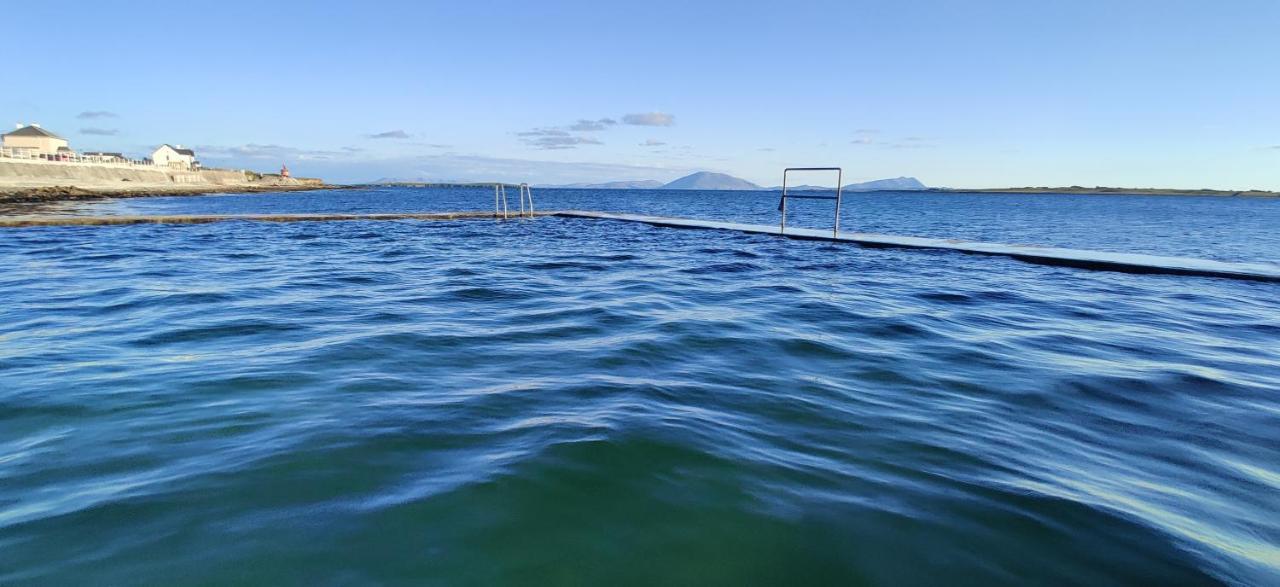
[[1078, 258], [121, 220]]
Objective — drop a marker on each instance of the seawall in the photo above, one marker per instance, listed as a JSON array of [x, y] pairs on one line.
[[16, 174], [51, 181], [84, 174]]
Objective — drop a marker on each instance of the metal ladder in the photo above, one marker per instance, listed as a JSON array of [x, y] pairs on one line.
[[500, 200], [782, 204]]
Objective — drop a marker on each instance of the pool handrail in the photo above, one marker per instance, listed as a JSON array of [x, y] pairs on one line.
[[782, 203]]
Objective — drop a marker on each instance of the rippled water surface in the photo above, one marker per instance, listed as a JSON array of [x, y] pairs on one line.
[[575, 401]]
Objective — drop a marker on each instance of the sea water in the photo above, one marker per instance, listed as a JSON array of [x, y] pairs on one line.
[[577, 401]]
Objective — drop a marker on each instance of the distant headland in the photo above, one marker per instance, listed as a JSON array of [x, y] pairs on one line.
[[1110, 191]]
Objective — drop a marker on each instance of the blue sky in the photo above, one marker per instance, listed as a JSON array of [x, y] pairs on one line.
[[963, 94]]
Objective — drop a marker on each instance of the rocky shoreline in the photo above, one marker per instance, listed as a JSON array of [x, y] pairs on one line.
[[51, 194]]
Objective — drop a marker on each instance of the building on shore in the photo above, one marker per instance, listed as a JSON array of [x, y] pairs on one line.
[[100, 157], [175, 157], [32, 140]]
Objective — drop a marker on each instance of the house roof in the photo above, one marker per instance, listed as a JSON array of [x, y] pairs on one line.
[[187, 152], [31, 131]]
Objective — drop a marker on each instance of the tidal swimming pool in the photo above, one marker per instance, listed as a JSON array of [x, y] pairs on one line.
[[570, 400]]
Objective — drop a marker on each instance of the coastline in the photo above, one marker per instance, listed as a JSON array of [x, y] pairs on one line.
[[72, 193], [44, 193], [1105, 191], [43, 181]]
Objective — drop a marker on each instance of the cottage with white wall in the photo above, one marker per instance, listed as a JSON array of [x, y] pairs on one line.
[[101, 157], [33, 140], [174, 157]]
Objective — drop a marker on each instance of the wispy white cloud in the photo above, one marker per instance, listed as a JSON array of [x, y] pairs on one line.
[[256, 151], [95, 114], [650, 119], [344, 167], [556, 143], [543, 132], [865, 136], [100, 132], [554, 139], [571, 137], [391, 134], [871, 136], [593, 125]]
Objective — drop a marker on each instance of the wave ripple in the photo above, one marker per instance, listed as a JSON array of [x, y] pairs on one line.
[[576, 401]]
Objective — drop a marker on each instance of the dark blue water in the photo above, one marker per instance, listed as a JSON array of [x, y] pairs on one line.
[[1222, 228], [583, 402]]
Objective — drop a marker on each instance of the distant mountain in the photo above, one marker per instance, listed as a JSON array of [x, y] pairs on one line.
[[706, 180], [639, 184], [897, 184]]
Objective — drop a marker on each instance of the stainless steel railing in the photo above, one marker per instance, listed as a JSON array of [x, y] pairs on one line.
[[500, 200], [782, 204]]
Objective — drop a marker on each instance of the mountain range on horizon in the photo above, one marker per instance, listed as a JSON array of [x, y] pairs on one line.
[[707, 180]]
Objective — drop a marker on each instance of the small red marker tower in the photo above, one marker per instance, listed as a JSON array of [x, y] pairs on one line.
[[284, 171]]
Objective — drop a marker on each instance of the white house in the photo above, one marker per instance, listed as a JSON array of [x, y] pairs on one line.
[[34, 140], [101, 157], [175, 157]]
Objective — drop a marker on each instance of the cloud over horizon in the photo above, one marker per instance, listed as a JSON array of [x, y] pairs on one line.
[[868, 136], [344, 166], [553, 139], [101, 132], [257, 151], [391, 134], [593, 125], [650, 119], [864, 136], [560, 137], [95, 114]]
